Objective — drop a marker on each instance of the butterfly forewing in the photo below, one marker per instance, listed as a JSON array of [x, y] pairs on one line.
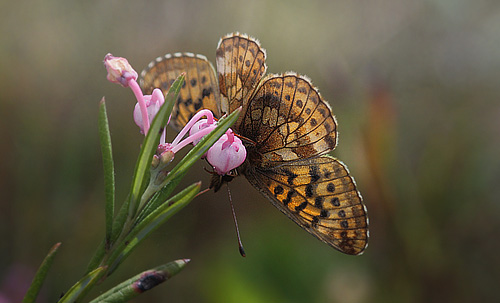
[[320, 196], [240, 67], [288, 120], [200, 89]]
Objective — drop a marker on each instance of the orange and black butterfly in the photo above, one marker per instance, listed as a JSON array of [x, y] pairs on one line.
[[287, 129]]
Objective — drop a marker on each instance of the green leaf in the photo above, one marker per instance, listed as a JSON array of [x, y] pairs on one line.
[[108, 166], [118, 224], [150, 144], [82, 287], [40, 275], [140, 174], [180, 170], [142, 282], [151, 223]]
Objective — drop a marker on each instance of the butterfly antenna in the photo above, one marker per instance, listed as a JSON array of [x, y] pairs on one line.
[[240, 245]]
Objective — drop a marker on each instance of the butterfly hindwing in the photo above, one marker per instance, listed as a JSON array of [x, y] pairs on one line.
[[288, 120], [200, 89], [240, 67], [320, 196]]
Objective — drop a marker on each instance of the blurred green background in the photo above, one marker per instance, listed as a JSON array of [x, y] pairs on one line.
[[415, 86]]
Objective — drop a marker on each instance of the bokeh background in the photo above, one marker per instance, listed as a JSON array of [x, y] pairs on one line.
[[415, 86]]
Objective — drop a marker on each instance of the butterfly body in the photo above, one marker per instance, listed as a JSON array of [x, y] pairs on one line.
[[287, 129]]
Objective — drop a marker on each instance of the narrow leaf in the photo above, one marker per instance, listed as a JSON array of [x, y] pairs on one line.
[[108, 167], [118, 224], [40, 275], [151, 141], [83, 286], [151, 223], [142, 282], [180, 170]]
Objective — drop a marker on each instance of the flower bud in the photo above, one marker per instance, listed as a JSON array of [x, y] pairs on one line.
[[119, 70], [227, 153]]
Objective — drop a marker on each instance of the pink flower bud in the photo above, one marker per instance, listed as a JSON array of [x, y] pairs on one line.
[[227, 153], [119, 70]]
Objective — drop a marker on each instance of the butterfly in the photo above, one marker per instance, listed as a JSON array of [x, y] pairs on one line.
[[287, 129]]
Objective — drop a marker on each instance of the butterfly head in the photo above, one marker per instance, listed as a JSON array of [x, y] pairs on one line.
[[218, 180]]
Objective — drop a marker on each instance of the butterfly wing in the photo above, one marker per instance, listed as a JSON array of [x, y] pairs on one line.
[[288, 120], [320, 196], [200, 89], [293, 128], [240, 67]]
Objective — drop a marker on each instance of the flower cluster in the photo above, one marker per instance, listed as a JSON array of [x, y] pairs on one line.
[[225, 155]]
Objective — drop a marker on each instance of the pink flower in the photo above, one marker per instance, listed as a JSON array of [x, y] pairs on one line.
[[153, 103], [227, 153], [119, 70], [197, 129]]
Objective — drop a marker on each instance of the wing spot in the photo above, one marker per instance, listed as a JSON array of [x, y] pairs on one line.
[[193, 82], [313, 122], [330, 187], [344, 224], [336, 201], [324, 213], [288, 198], [330, 141], [206, 92], [291, 176], [309, 190], [328, 126], [198, 104], [315, 221], [299, 103], [247, 63], [308, 111], [314, 173], [318, 202], [301, 206], [341, 213], [278, 190], [322, 111]]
